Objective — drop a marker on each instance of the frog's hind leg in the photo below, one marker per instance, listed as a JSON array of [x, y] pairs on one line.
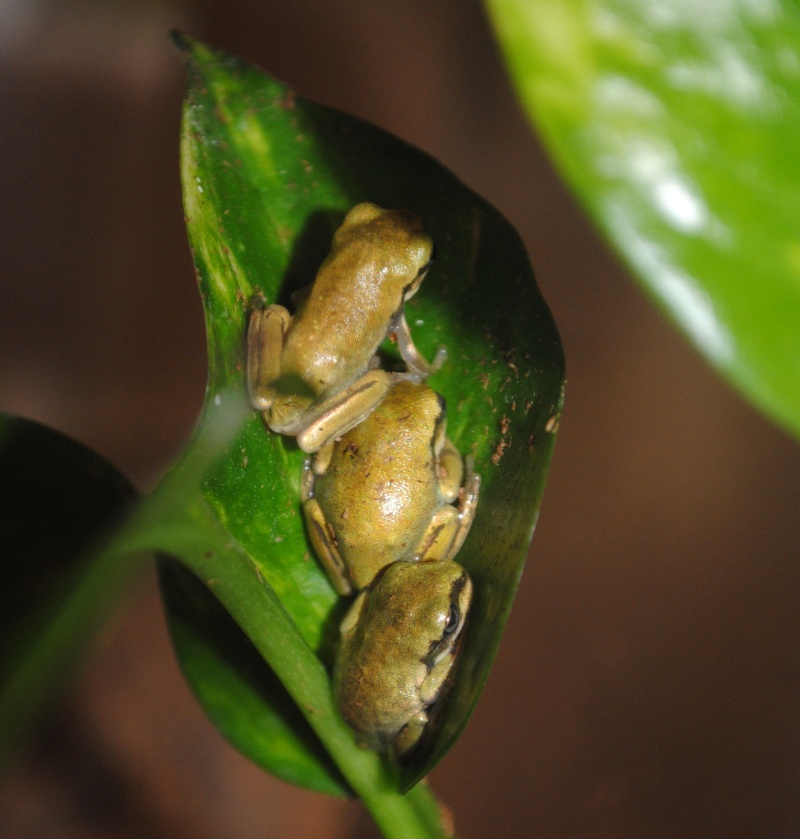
[[450, 525], [438, 536], [450, 471], [265, 336], [336, 415], [322, 536], [467, 504]]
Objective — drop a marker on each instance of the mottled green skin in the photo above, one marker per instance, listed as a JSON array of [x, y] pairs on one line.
[[381, 488]]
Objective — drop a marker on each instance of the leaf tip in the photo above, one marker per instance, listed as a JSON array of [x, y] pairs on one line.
[[182, 42]]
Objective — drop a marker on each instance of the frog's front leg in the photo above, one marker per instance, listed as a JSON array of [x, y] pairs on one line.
[[430, 690], [419, 368], [265, 336], [409, 735], [321, 534], [335, 416]]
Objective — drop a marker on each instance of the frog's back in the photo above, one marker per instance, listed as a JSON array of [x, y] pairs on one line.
[[381, 488], [338, 328], [376, 256]]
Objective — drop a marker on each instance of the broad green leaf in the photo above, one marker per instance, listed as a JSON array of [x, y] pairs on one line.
[[56, 500], [267, 177], [678, 125]]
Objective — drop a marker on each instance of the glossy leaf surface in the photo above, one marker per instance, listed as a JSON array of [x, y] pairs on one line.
[[267, 178], [678, 126]]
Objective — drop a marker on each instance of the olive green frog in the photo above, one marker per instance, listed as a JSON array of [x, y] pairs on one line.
[[399, 642], [385, 490], [314, 375], [379, 507]]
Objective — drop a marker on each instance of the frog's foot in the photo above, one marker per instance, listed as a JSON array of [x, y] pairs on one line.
[[439, 359], [419, 368], [418, 374], [307, 481], [265, 335], [337, 415]]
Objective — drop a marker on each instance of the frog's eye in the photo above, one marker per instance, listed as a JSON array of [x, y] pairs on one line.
[[444, 646], [423, 270], [453, 619], [431, 254]]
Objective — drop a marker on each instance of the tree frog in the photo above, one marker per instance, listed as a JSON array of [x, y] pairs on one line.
[[314, 375], [379, 508], [385, 490], [399, 642]]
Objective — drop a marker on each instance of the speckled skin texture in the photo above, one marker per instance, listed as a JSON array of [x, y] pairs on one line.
[[380, 489], [387, 654]]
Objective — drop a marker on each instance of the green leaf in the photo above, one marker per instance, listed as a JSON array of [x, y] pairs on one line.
[[56, 500], [267, 178], [678, 126]]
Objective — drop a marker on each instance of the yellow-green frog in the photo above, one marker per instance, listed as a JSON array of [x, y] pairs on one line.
[[379, 506], [313, 375], [399, 642]]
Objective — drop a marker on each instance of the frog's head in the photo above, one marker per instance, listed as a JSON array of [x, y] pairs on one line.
[[391, 239], [399, 642]]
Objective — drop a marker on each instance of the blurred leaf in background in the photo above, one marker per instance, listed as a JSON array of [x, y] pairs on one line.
[[57, 500], [678, 126]]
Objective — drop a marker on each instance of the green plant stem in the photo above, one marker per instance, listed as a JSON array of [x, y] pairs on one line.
[[190, 533], [176, 520]]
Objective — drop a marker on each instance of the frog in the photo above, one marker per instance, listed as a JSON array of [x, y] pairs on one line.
[[314, 375], [386, 513], [386, 490], [400, 642]]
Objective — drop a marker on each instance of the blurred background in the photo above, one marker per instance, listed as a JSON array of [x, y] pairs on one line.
[[649, 680]]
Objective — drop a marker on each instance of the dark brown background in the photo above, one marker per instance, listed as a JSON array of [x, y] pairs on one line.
[[648, 681]]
